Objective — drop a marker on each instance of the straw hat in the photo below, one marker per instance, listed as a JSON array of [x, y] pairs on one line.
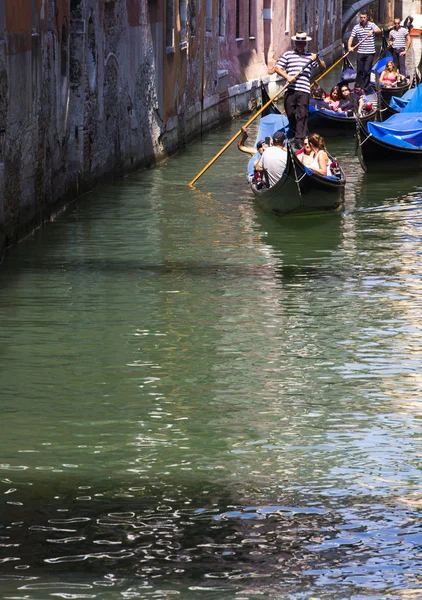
[[301, 37]]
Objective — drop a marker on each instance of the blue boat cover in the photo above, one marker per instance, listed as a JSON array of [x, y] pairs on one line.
[[270, 124], [379, 66], [347, 76], [403, 130], [398, 103], [313, 110], [251, 164], [415, 103]]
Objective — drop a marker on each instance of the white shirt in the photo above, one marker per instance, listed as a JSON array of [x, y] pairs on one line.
[[274, 160]]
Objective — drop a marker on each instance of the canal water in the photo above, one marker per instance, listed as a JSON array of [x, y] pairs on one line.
[[201, 401]]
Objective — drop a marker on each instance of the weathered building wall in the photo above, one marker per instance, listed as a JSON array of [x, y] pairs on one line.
[[92, 89]]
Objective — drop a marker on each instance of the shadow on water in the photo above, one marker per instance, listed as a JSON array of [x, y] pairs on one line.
[[303, 244], [188, 535], [84, 534]]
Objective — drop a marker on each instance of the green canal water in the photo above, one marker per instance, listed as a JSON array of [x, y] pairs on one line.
[[201, 401]]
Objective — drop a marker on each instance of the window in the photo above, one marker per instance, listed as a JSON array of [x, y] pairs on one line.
[[222, 18], [183, 18], [64, 65], [237, 19], [170, 24], [64, 53], [287, 15], [208, 16], [91, 56], [35, 17], [192, 17], [252, 18]]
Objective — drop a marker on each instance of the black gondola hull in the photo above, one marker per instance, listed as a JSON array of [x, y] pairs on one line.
[[376, 155], [327, 124], [299, 191]]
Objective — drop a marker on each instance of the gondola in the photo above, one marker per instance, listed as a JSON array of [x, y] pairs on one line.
[[385, 93], [396, 141], [327, 122], [300, 189], [330, 123], [396, 105]]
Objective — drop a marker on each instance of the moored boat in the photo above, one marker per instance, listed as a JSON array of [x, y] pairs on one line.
[[331, 123], [396, 141]]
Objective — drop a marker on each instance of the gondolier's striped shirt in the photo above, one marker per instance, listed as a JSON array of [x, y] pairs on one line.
[[399, 37], [359, 32], [292, 63]]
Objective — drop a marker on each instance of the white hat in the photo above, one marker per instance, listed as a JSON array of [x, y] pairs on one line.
[[301, 37]]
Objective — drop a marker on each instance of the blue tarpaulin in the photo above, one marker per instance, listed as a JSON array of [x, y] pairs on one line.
[[270, 124], [314, 110], [415, 103], [403, 130], [379, 66], [398, 103]]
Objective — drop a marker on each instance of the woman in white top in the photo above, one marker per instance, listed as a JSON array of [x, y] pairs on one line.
[[321, 162], [307, 155]]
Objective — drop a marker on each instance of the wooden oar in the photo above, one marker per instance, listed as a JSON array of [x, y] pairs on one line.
[[236, 135], [340, 59]]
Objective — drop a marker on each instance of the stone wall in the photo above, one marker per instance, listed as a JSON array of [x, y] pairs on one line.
[[90, 90]]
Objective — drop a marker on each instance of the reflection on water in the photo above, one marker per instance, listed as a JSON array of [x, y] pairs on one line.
[[200, 400]]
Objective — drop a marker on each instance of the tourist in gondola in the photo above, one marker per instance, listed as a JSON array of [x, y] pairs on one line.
[[318, 98], [296, 100], [364, 32], [333, 99], [260, 147], [274, 159], [346, 99], [320, 163], [306, 155], [361, 101], [399, 41], [390, 76]]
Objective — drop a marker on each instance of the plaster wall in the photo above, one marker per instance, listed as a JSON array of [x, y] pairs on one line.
[[89, 90]]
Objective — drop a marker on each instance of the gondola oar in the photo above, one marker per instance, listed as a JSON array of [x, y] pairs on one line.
[[340, 59], [236, 135]]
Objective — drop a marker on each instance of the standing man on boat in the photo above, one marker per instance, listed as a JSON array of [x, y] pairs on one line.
[[364, 32], [296, 99], [399, 40]]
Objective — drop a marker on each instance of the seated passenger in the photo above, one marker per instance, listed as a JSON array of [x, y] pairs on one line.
[[257, 173], [346, 100], [333, 100], [274, 159], [241, 143], [361, 100], [320, 163], [318, 98], [390, 76], [306, 155]]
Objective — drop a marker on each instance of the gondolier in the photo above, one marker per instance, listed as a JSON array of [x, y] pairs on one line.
[[364, 32], [296, 100], [399, 41]]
